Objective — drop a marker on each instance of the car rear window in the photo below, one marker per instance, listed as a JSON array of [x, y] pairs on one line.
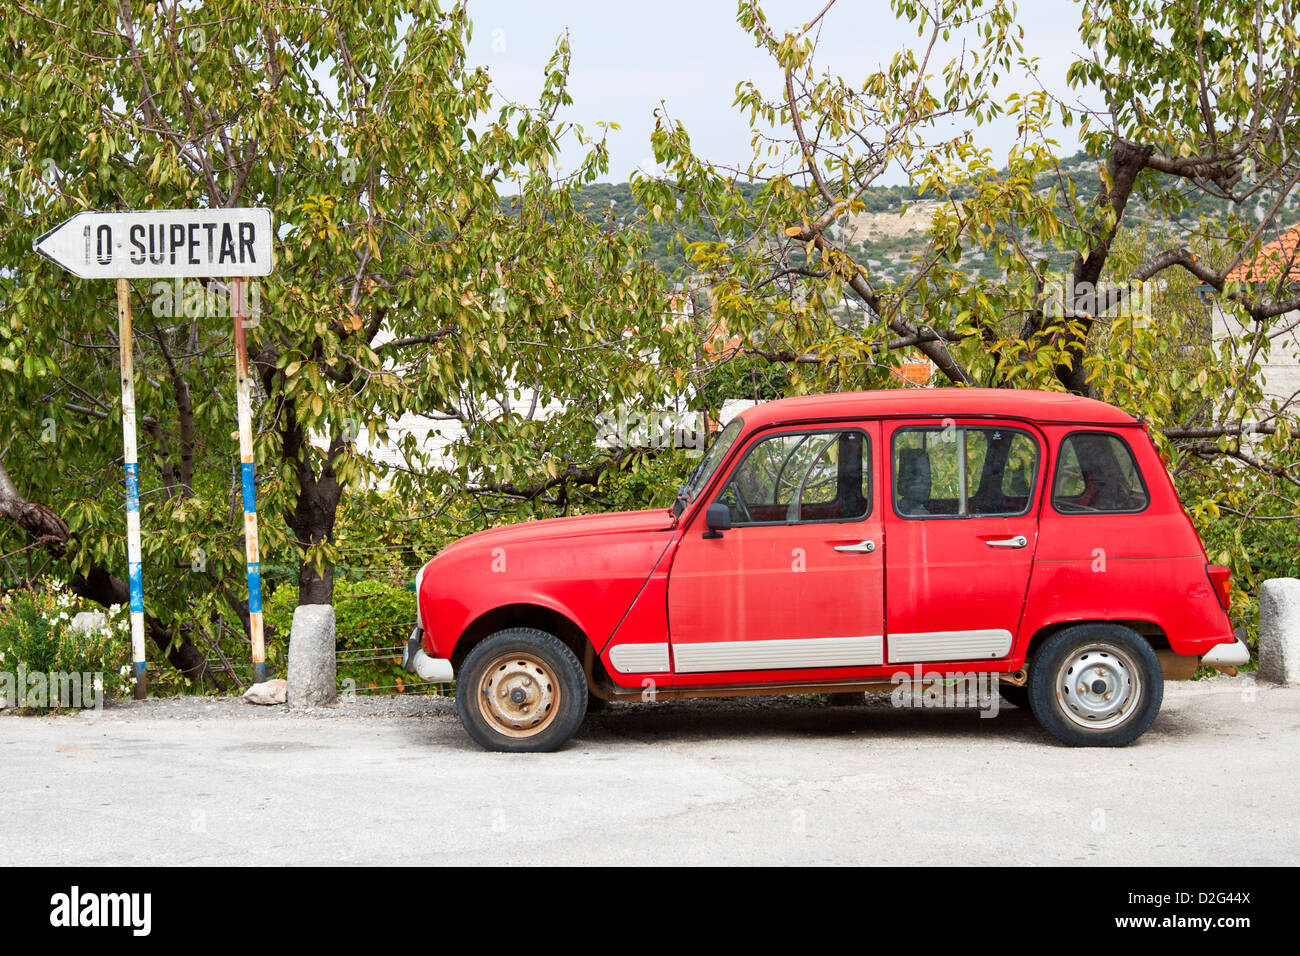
[[1096, 473]]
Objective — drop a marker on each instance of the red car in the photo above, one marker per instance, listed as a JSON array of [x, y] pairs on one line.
[[842, 543]]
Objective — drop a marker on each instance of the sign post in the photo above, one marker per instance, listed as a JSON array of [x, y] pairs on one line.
[[173, 243], [126, 361], [244, 405]]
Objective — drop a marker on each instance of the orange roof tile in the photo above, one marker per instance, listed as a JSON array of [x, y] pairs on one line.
[[916, 372], [1280, 255]]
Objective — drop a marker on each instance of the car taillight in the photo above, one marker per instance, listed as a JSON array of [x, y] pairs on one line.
[[1221, 581]]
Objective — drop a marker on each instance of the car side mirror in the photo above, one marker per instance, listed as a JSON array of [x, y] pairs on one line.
[[717, 519]]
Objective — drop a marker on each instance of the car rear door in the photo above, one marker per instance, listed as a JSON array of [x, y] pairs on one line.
[[961, 526]]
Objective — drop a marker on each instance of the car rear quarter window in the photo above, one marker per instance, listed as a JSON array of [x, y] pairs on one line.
[[1097, 473]]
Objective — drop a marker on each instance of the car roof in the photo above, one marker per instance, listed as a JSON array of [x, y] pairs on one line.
[[901, 402]]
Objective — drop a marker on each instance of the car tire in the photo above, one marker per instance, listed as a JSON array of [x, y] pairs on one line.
[[1096, 685], [1015, 694], [521, 690]]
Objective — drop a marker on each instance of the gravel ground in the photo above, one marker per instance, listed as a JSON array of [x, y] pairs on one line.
[[750, 780]]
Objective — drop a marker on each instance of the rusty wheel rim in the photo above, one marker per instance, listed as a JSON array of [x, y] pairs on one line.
[[519, 695]]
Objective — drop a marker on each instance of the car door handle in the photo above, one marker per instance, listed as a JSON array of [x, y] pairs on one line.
[[1019, 541], [862, 547]]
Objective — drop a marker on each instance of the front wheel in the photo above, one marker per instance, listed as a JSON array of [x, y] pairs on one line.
[[1096, 685], [521, 690]]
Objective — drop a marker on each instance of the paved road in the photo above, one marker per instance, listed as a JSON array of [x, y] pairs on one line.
[[782, 780]]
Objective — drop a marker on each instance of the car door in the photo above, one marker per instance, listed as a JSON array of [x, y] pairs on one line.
[[961, 525], [796, 583]]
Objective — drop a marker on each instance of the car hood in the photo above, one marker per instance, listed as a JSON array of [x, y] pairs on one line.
[[551, 529]]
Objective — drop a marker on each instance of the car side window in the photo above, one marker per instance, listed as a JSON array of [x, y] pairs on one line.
[[965, 471], [800, 477], [1001, 468], [1096, 473]]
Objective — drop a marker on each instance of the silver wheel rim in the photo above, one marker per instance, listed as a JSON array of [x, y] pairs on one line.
[[1098, 686]]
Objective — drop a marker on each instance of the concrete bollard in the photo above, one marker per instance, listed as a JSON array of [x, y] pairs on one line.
[[312, 680], [1279, 631]]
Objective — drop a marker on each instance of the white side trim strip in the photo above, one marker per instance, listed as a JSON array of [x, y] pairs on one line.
[[985, 644], [773, 655], [639, 658]]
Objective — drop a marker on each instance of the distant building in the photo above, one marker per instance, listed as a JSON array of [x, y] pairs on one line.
[[435, 437], [916, 371], [1274, 273]]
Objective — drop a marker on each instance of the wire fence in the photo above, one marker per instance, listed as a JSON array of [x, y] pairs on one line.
[[241, 672]]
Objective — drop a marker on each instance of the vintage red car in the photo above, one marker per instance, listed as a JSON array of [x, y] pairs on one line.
[[831, 543]]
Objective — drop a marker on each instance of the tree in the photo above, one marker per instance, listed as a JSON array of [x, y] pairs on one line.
[[404, 281], [1194, 122]]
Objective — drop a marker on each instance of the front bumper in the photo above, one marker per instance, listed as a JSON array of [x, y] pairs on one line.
[[416, 661]]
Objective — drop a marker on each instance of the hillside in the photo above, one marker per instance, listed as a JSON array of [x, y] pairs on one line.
[[892, 228]]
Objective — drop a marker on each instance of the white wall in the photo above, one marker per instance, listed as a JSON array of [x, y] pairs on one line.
[[1280, 373]]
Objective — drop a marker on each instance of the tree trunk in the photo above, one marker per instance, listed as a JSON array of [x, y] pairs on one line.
[[103, 588], [97, 584], [45, 527], [315, 511], [313, 587], [1125, 162]]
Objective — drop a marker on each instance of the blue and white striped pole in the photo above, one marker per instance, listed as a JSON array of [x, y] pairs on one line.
[[244, 402], [133, 563]]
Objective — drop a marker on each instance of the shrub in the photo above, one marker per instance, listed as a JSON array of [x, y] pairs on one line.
[[37, 638]]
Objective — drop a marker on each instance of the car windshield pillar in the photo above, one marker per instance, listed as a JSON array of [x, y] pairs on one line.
[[708, 464]]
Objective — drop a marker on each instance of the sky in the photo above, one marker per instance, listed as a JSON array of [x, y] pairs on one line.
[[690, 54]]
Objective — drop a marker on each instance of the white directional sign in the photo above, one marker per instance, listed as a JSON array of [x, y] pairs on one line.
[[195, 243]]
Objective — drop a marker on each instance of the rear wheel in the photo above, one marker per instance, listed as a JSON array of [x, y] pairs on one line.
[[521, 690], [1096, 685], [1017, 695]]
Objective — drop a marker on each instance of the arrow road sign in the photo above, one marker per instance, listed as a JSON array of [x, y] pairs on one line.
[[197, 243]]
